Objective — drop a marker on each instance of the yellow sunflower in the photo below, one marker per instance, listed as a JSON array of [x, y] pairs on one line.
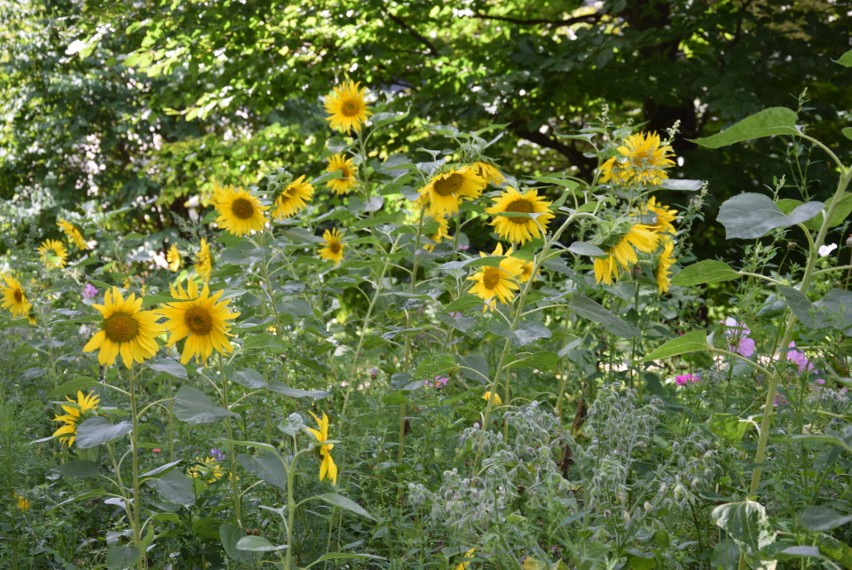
[[488, 172], [664, 264], [199, 318], [497, 283], [23, 503], [14, 299], [204, 261], [493, 398], [125, 330], [173, 258], [622, 252], [526, 272], [239, 211], [641, 160], [520, 229], [292, 199], [74, 414], [663, 217], [465, 563], [347, 107], [328, 469], [446, 190], [53, 253], [333, 250], [73, 233], [208, 469], [440, 234], [347, 170]]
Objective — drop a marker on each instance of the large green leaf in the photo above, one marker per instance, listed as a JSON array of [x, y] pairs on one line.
[[195, 407], [752, 215], [344, 503], [746, 523], [703, 272], [696, 341], [78, 469], [822, 518], [72, 386], [594, 311], [846, 59], [766, 123], [230, 535], [279, 388], [97, 430], [174, 487], [119, 557], [728, 427], [258, 544], [267, 466], [170, 366]]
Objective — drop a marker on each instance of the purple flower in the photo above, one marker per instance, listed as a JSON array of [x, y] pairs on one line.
[[437, 382], [217, 454], [738, 332], [89, 291], [798, 358], [683, 379]]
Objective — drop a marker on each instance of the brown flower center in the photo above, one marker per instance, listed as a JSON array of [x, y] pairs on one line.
[[335, 247], [242, 208], [121, 327], [18, 295], [345, 173], [522, 207], [350, 108], [491, 277], [449, 185], [198, 320]]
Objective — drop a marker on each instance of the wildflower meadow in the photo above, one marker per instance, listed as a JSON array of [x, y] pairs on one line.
[[414, 339]]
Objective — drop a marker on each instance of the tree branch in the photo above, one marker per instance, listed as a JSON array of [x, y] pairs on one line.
[[585, 164], [433, 49], [585, 19]]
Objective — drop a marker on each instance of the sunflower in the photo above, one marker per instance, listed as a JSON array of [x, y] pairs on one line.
[[200, 319], [493, 398], [292, 199], [328, 469], [125, 330], [440, 234], [347, 108], [465, 563], [497, 283], [444, 191], [662, 215], [173, 258], [208, 469], [519, 229], [622, 252], [73, 233], [488, 172], [643, 161], [204, 261], [53, 253], [348, 171], [239, 211], [333, 250], [526, 271], [664, 264], [14, 299], [77, 411]]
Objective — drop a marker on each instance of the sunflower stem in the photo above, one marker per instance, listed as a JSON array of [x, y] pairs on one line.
[[232, 463], [134, 451]]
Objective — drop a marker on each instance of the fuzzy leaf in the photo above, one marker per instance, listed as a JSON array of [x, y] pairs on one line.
[[704, 272], [766, 123], [344, 503], [97, 430], [195, 407], [594, 311], [751, 215], [822, 518], [696, 341], [174, 487]]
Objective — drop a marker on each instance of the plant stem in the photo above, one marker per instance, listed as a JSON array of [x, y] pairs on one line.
[[134, 451], [232, 460]]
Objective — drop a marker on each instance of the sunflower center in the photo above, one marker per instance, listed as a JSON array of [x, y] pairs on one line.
[[198, 320], [449, 185], [345, 174], [242, 208], [521, 207], [350, 108], [334, 247], [491, 277], [121, 327], [18, 295]]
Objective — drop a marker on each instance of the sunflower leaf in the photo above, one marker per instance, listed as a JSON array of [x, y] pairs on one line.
[[594, 311], [97, 430], [195, 407], [766, 123], [696, 341], [703, 272], [344, 503], [751, 215]]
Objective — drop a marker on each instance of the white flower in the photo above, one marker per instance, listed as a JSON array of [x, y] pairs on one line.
[[827, 249]]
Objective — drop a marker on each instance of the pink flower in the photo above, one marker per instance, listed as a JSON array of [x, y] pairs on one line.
[[437, 382], [683, 379], [89, 291], [738, 332], [798, 358]]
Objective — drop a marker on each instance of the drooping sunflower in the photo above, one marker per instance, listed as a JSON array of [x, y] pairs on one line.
[[440, 234], [73, 233], [78, 410], [488, 172], [328, 469], [14, 300], [333, 250], [239, 211], [347, 107], [641, 160], [527, 271], [126, 330], [520, 229], [204, 261], [53, 253], [622, 252], [497, 283], [663, 217], [173, 258], [292, 199], [199, 318], [664, 263], [347, 170], [446, 190]]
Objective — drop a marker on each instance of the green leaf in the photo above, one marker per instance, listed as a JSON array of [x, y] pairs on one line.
[[696, 341], [592, 310], [750, 215], [746, 523], [81, 383], [267, 467], [809, 314], [279, 388], [160, 469], [843, 439], [257, 544], [78, 469], [846, 59], [822, 518], [347, 556], [539, 360], [766, 123], [344, 503], [531, 331], [432, 365], [174, 487], [97, 430], [170, 366], [704, 272], [119, 557], [230, 535], [248, 378], [195, 407], [464, 303], [82, 497], [489, 261], [847, 132], [838, 216], [263, 341], [682, 185], [728, 427], [585, 248]]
